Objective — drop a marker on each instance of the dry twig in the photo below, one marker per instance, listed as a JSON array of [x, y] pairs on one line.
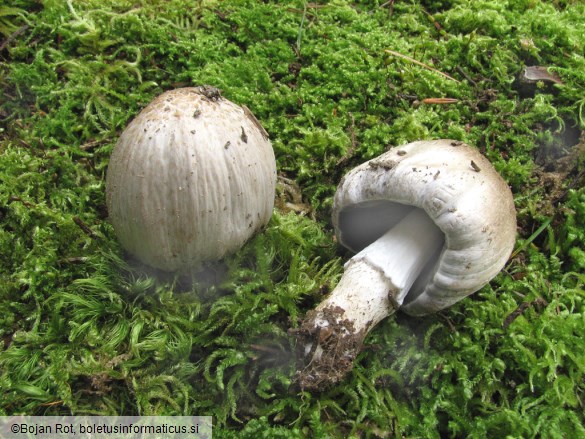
[[440, 101], [13, 36], [421, 64], [86, 229]]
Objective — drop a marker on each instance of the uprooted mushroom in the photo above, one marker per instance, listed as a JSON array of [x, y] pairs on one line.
[[431, 222]]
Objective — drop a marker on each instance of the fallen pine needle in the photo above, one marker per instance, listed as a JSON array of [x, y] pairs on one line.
[[441, 101], [421, 64], [532, 237]]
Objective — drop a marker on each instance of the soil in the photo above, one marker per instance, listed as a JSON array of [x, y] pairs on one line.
[[340, 345], [555, 175], [560, 174]]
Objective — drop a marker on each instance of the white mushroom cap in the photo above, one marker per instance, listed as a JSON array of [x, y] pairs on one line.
[[458, 189], [190, 180]]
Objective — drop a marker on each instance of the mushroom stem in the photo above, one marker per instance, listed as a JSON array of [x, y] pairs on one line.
[[373, 286]]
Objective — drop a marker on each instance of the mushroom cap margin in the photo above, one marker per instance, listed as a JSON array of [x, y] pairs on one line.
[[460, 191]]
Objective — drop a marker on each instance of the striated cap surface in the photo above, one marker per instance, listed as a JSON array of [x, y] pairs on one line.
[[190, 180]]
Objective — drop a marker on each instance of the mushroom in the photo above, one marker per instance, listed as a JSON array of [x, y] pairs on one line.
[[190, 180], [431, 222]]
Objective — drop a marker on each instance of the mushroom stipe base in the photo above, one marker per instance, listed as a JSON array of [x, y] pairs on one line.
[[339, 345], [435, 241]]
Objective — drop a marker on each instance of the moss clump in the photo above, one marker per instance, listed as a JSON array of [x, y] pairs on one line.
[[84, 329]]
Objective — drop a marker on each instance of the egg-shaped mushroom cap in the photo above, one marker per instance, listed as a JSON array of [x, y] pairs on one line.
[[190, 180], [459, 190]]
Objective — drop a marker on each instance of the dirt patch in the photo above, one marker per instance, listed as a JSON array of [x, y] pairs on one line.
[[557, 176], [210, 92], [554, 177], [289, 198], [333, 348], [384, 164]]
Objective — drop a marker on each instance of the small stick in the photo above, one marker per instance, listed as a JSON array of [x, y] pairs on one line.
[[466, 76], [440, 101], [451, 326], [26, 144], [24, 202], [85, 228], [52, 403], [538, 302], [436, 24], [390, 5], [13, 36], [418, 63], [92, 144]]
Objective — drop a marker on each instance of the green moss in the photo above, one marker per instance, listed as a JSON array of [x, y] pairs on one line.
[[84, 329]]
